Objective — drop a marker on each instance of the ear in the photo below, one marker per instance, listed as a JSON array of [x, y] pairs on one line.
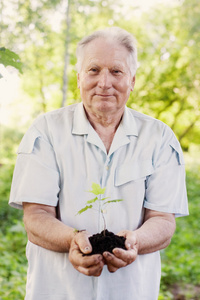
[[78, 80], [132, 83]]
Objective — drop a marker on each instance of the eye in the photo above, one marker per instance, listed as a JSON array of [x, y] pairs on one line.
[[116, 72], [93, 70]]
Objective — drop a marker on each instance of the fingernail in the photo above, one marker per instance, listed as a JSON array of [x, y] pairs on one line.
[[107, 254], [86, 249], [129, 246], [117, 251]]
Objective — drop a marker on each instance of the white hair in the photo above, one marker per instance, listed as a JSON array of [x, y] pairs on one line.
[[121, 36]]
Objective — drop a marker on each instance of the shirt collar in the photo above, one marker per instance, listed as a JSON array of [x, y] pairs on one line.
[[128, 123], [80, 121], [81, 124]]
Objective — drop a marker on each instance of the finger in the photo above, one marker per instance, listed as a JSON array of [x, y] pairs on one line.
[[128, 256], [113, 264], [111, 259], [112, 269], [78, 259], [131, 239], [91, 271], [131, 244], [93, 260]]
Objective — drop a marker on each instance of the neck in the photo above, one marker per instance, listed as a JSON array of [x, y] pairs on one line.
[[105, 126], [104, 120]]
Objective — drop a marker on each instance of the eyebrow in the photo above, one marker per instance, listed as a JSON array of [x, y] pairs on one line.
[[92, 65], [96, 65], [118, 66]]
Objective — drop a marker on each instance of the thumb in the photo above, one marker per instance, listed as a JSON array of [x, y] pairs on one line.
[[82, 240], [131, 239]]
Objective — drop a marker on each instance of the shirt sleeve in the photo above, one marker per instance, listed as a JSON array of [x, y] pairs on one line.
[[166, 186], [36, 174]]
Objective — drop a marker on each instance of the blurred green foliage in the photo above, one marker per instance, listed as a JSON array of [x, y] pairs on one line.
[[181, 260], [167, 87], [167, 81], [13, 239]]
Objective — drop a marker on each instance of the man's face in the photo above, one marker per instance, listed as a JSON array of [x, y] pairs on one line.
[[105, 80]]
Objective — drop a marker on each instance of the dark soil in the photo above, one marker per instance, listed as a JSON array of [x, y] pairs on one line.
[[107, 242]]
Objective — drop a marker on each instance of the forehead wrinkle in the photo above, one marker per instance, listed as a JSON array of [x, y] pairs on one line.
[[91, 54], [114, 64], [95, 62]]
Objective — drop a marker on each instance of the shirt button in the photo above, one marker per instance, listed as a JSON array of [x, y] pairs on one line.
[[107, 168]]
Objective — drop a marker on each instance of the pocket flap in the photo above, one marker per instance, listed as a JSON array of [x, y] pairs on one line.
[[133, 171], [28, 141], [176, 146]]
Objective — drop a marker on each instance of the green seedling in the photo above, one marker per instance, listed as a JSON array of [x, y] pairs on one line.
[[102, 202]]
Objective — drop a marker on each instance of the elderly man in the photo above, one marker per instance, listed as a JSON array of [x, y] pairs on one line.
[[99, 140]]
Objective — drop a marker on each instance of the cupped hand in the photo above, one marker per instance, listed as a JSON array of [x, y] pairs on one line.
[[91, 265], [120, 257]]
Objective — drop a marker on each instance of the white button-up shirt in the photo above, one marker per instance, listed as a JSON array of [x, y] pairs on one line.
[[59, 158]]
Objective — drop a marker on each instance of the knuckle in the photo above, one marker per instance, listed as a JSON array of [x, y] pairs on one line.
[[98, 273], [88, 272], [83, 270]]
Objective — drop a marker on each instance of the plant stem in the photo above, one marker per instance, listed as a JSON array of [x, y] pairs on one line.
[[104, 222]]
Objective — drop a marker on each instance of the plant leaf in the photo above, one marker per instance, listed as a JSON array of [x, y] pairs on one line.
[[110, 201], [96, 189], [92, 200], [10, 58], [104, 198], [84, 209]]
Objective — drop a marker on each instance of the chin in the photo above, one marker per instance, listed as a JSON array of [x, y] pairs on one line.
[[105, 107]]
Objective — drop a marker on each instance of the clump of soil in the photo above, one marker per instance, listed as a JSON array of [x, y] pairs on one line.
[[107, 241]]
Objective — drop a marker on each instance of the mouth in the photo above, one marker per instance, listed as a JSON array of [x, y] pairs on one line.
[[104, 95]]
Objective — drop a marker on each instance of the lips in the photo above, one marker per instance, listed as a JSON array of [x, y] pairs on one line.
[[104, 95]]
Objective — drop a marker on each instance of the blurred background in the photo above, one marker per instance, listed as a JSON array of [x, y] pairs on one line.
[[38, 41]]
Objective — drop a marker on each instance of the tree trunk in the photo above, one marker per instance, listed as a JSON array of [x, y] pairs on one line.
[[66, 57], [42, 94], [178, 113], [188, 128]]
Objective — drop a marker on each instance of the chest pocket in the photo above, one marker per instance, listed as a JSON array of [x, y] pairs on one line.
[[133, 171]]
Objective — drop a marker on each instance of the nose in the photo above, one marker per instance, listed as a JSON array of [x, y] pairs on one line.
[[105, 80]]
